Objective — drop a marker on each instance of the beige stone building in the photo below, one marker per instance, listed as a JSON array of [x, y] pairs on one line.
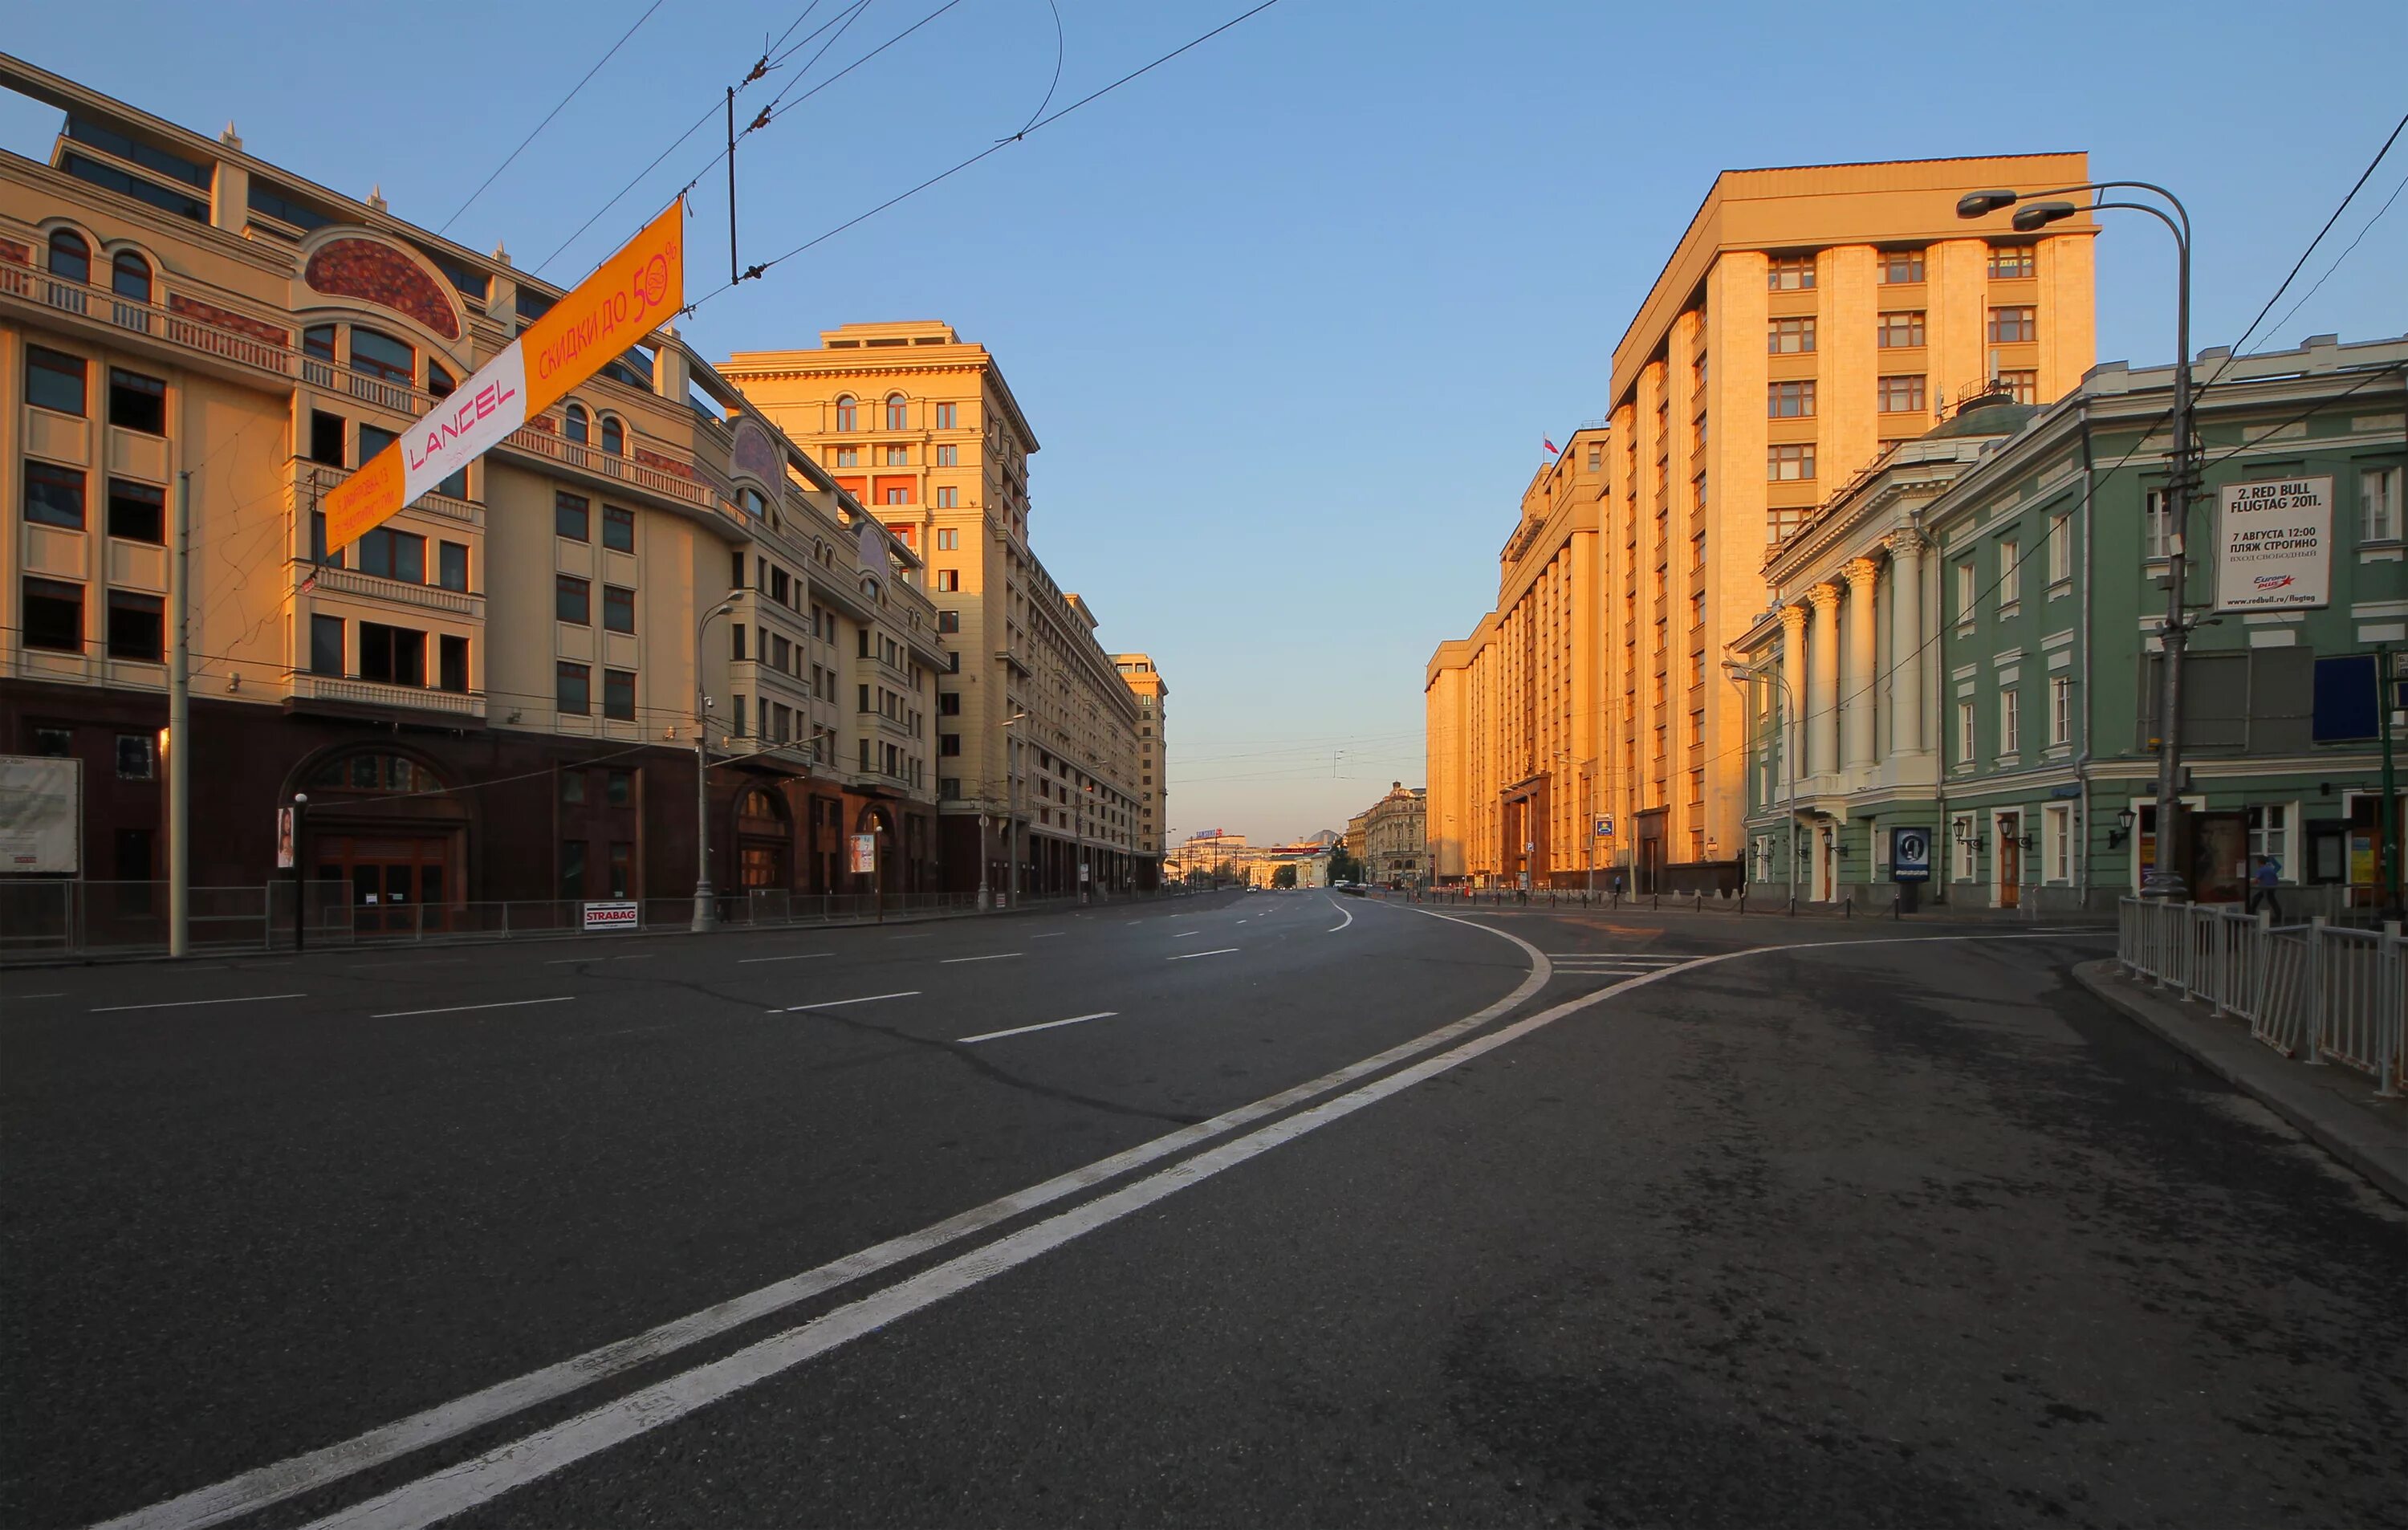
[[1808, 320], [1395, 843], [1037, 728], [493, 695], [1152, 749]]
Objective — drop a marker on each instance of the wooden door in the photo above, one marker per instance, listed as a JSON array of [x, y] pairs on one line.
[[2010, 861]]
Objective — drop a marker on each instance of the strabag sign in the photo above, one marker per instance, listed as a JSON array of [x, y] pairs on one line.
[[2273, 544]]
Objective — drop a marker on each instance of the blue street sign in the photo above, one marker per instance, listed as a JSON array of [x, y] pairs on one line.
[[1605, 825]]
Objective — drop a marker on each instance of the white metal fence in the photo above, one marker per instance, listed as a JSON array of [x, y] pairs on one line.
[[2315, 992], [46, 918]]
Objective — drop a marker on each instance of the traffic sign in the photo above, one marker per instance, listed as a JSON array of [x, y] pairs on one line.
[[1605, 825], [1909, 855]]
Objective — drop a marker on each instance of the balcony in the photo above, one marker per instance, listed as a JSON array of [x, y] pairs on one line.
[[313, 481], [385, 394], [425, 597], [379, 696], [537, 442], [189, 328]]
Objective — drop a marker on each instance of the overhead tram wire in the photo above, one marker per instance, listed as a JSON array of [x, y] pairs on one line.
[[2318, 286], [1042, 122], [547, 119]]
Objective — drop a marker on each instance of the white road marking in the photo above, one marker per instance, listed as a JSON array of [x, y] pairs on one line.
[[831, 1004], [1347, 916], [1024, 1029], [1185, 934], [1614, 956], [1191, 956], [1049, 935], [180, 1004], [41, 995], [799, 956], [455, 1009], [316, 1469], [921, 935], [563, 961], [998, 956]]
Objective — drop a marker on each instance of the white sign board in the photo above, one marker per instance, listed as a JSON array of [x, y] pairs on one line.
[[616, 915], [41, 814], [2273, 545]]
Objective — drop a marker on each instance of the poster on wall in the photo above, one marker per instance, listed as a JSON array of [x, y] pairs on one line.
[[864, 853], [2273, 545], [41, 799]]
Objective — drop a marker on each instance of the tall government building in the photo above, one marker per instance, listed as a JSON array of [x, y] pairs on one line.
[[1037, 725], [1808, 320]]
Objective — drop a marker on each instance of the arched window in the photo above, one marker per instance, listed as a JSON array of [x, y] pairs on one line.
[[375, 773], [758, 811], [847, 413], [574, 428], [129, 275], [752, 501], [439, 381], [70, 257], [376, 354], [614, 435], [898, 413]]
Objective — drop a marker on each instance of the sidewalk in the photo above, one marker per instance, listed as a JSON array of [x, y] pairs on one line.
[[2336, 1107]]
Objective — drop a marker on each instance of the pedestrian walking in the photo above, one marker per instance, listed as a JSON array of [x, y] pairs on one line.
[[2263, 885]]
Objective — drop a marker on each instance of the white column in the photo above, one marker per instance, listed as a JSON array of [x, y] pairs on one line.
[[1857, 684], [1906, 640], [1792, 703], [1822, 700]]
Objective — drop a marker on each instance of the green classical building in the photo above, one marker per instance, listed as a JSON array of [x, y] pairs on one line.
[[1962, 650]]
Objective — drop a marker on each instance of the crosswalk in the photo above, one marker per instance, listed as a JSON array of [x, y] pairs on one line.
[[1612, 964]]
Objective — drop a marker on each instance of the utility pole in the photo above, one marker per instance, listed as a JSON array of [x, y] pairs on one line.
[[2388, 686], [706, 897], [180, 734]]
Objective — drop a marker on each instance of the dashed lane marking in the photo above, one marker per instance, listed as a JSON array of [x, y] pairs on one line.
[[1189, 956], [799, 956], [181, 1004], [1024, 1029], [997, 956], [455, 1009], [831, 1004]]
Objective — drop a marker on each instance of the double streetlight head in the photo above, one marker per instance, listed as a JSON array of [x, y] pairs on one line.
[[1982, 204], [2028, 217]]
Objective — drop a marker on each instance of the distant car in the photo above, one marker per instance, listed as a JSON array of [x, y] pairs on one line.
[[1252, 888]]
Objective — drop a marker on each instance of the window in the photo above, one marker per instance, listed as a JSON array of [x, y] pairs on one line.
[[898, 456], [2008, 325], [440, 382], [2378, 504], [53, 743], [573, 689], [378, 355], [571, 516], [1898, 266], [1696, 607], [2010, 260], [1697, 491], [949, 704], [393, 655], [1965, 731], [614, 435], [899, 494], [1595, 458], [948, 456], [452, 566], [319, 340], [137, 626], [53, 495], [2010, 736], [325, 645], [138, 757], [950, 621], [572, 787], [572, 599], [898, 414], [848, 456], [1789, 461], [1900, 395], [1790, 274], [2057, 844], [2269, 837], [1789, 401], [2010, 574], [735, 721], [2060, 549], [451, 663], [2157, 527], [2060, 709], [949, 580], [54, 381], [129, 275], [617, 609], [1966, 594], [847, 413], [70, 257], [949, 744], [393, 555], [948, 499], [325, 438], [1899, 331], [2022, 386], [949, 540], [618, 529], [622, 869], [373, 440], [137, 511], [572, 868], [573, 423], [619, 694], [1790, 336]]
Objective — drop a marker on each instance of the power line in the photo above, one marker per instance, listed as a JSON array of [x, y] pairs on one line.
[[2343, 255], [548, 117]]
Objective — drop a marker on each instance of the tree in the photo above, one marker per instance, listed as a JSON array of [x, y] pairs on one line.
[[1284, 876], [1342, 867]]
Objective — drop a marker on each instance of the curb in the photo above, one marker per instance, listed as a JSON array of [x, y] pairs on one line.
[[2376, 1153]]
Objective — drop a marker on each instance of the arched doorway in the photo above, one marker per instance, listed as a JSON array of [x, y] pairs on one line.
[[382, 825], [765, 837]]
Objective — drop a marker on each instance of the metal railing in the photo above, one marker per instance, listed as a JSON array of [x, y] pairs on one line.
[[51, 918], [2315, 992]]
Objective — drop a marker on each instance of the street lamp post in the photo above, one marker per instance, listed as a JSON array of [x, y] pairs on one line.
[[1012, 822], [2163, 878], [1740, 674], [706, 899]]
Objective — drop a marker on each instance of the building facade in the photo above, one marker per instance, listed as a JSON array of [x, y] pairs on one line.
[[1972, 637], [1152, 750], [1396, 851], [1037, 738], [1514, 711], [495, 695]]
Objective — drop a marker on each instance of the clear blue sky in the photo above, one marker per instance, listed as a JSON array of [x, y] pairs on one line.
[[1290, 314]]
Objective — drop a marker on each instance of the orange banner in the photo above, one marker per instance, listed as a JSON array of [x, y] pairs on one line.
[[634, 292]]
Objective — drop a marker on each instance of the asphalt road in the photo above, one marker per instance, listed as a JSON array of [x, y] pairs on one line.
[[1273, 1210]]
